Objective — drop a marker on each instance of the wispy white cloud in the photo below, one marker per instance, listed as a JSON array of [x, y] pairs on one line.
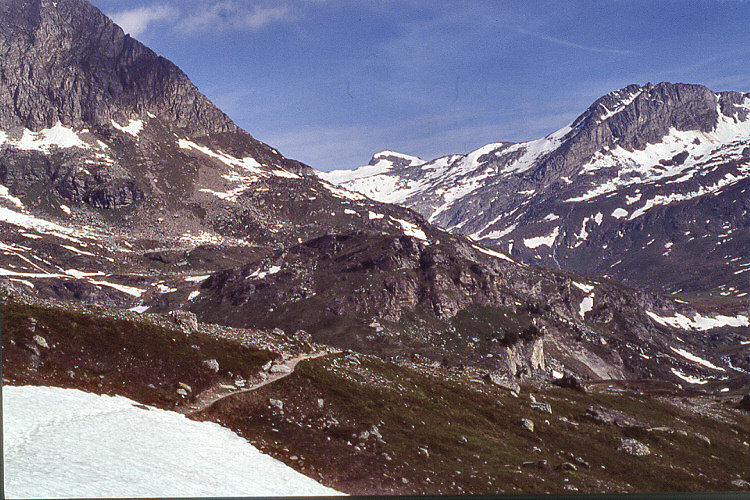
[[200, 16], [229, 14], [572, 45], [136, 21]]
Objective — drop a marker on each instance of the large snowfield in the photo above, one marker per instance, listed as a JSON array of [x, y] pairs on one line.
[[62, 443]]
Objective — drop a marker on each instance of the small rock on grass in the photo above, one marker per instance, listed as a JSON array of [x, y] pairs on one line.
[[211, 364], [41, 341], [275, 402], [527, 424], [634, 447], [280, 369]]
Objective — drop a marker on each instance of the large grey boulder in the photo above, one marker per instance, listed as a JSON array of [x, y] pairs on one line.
[[186, 320]]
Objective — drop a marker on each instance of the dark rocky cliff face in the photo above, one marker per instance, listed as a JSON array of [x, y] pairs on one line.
[[66, 61]]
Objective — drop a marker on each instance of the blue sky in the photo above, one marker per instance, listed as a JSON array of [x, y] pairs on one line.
[[330, 82]]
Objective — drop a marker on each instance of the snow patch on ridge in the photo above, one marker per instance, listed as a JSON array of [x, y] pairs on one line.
[[539, 241], [692, 357], [133, 127], [411, 229], [700, 322], [57, 136]]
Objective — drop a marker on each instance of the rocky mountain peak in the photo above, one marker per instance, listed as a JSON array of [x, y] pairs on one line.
[[398, 160], [66, 62], [574, 196]]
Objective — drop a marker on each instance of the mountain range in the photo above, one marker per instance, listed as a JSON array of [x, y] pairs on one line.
[[140, 228], [648, 186]]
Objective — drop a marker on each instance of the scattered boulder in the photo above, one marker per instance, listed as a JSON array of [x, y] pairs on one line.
[[527, 424], [424, 452], [186, 320], [703, 438], [633, 447], [570, 381], [545, 407], [276, 403], [567, 466], [321, 403], [211, 364], [497, 379], [741, 483], [280, 369], [182, 392], [539, 464], [303, 336], [41, 341], [267, 366], [186, 387], [607, 416]]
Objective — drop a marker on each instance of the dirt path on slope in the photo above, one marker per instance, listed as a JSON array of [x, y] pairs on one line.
[[221, 391]]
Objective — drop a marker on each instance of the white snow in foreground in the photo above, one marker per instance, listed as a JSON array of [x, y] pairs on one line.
[[689, 378], [700, 322], [411, 229], [63, 443], [539, 241], [133, 127], [692, 357]]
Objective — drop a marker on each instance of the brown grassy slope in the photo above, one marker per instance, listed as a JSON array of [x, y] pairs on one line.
[[471, 437]]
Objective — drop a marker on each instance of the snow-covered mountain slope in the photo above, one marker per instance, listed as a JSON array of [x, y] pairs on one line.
[[648, 186], [66, 443]]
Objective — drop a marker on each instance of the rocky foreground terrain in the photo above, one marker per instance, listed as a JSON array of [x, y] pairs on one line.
[[364, 425], [151, 248]]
